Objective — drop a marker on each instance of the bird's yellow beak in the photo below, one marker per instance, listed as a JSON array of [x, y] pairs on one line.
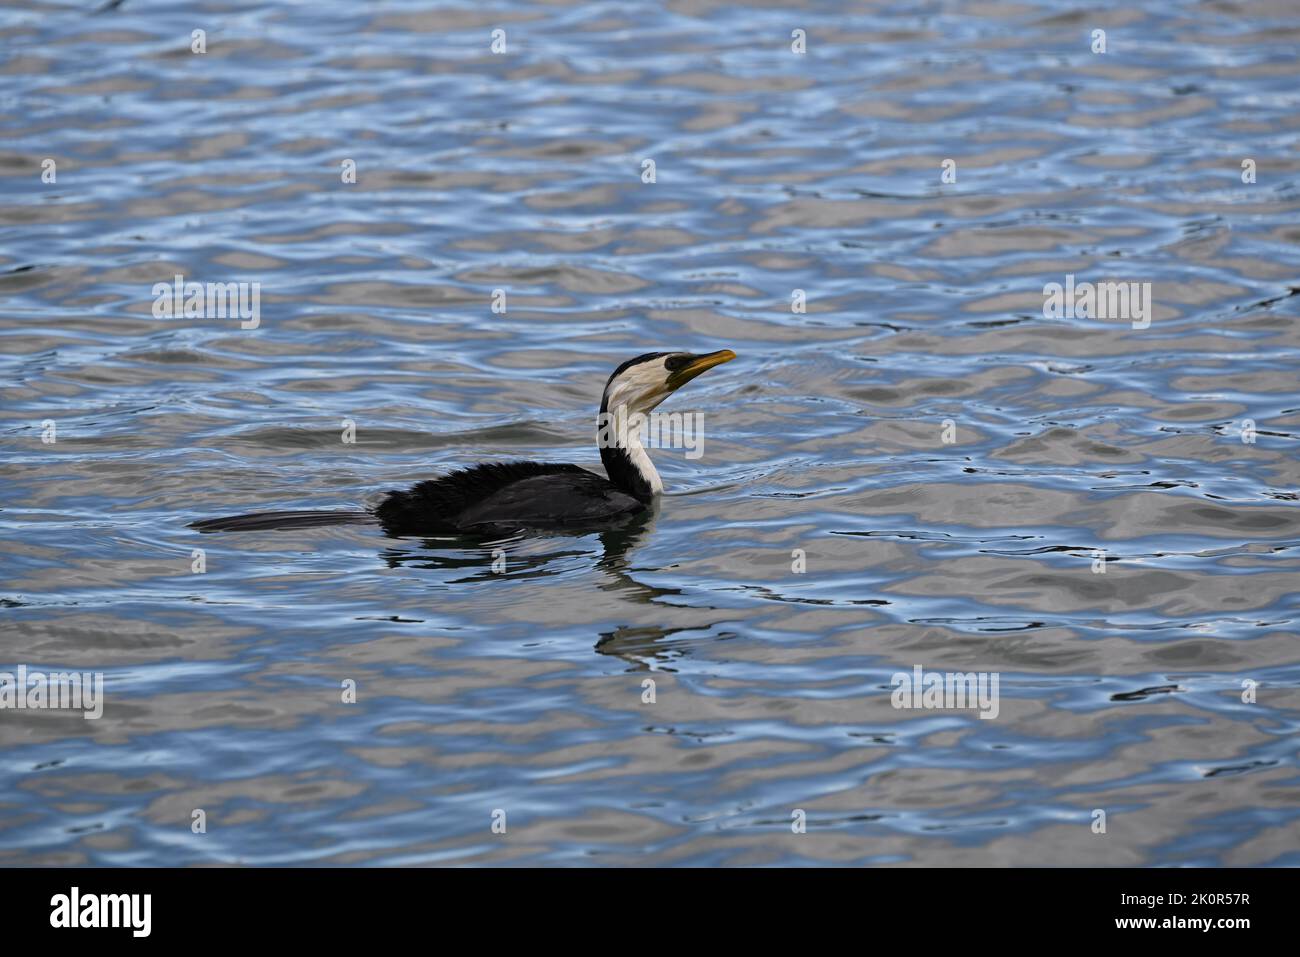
[[697, 365]]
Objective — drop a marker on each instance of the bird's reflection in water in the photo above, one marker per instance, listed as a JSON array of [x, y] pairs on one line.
[[644, 647], [527, 555], [635, 644], [641, 646]]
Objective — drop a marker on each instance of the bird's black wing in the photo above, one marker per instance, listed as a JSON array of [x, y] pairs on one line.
[[557, 500], [473, 496]]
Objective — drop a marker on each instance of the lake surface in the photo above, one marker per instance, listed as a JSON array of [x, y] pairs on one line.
[[1068, 502]]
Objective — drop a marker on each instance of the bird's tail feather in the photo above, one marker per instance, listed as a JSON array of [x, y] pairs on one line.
[[262, 521]]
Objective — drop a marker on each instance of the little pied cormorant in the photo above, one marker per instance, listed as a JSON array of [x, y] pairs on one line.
[[495, 497]]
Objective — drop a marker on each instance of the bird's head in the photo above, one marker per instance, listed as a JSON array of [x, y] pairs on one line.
[[640, 384]]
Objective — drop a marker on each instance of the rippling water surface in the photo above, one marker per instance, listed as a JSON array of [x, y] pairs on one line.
[[1076, 443]]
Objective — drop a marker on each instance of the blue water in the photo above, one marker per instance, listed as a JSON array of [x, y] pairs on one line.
[[1077, 443]]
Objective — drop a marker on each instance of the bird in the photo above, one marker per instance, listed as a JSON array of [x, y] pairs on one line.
[[505, 497]]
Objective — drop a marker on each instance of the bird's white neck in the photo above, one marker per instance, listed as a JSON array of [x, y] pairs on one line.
[[625, 458], [641, 461]]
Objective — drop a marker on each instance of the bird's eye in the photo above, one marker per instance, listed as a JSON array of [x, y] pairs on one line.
[[673, 363]]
